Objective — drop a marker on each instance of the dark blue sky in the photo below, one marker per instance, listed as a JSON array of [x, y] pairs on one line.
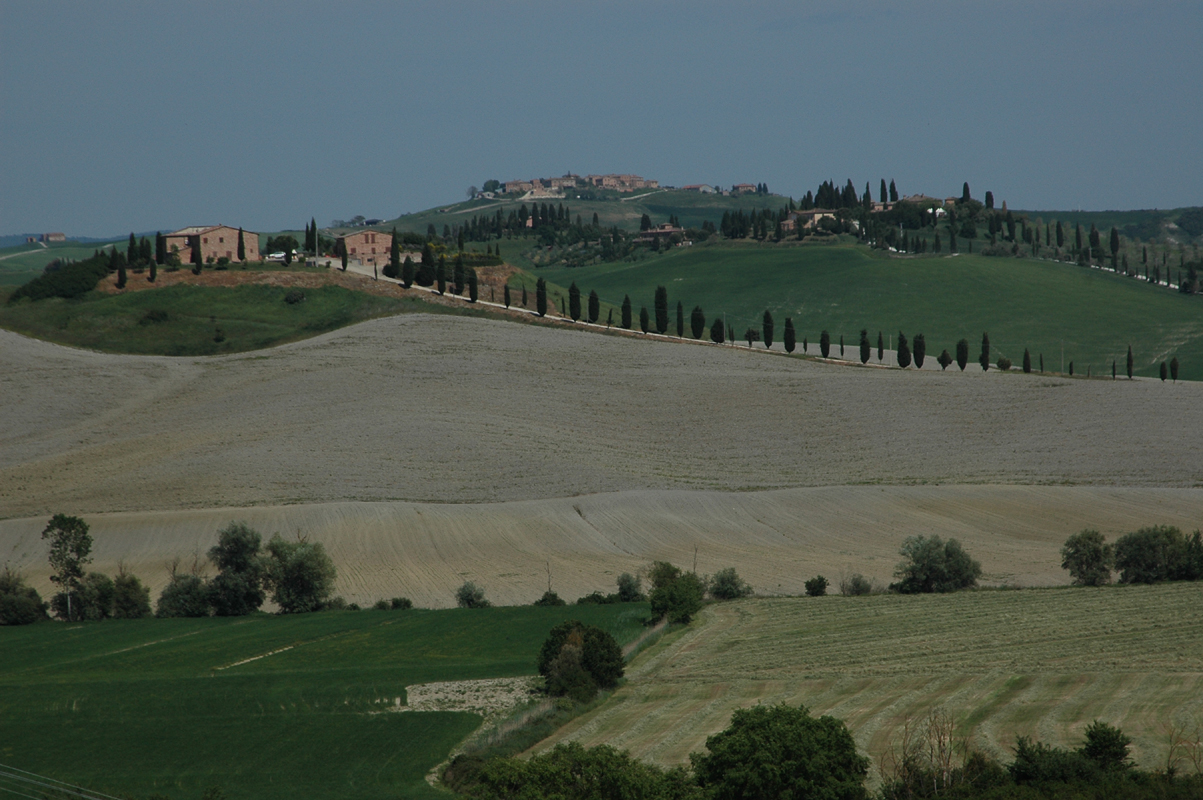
[[145, 115]]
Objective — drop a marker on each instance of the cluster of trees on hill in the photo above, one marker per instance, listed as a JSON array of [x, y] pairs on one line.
[[1149, 555], [65, 279]]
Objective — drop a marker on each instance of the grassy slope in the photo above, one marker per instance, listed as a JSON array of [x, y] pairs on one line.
[[26, 262], [1034, 662], [1020, 302], [250, 317], [151, 706]]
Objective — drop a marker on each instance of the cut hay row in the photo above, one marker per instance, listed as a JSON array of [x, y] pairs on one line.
[[1038, 663], [776, 539]]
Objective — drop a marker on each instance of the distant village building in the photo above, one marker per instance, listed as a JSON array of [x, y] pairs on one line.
[[662, 232], [743, 188], [807, 220], [704, 188], [551, 186], [366, 247], [621, 183], [216, 241], [54, 237]]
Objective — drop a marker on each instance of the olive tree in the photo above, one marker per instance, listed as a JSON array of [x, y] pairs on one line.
[[1088, 558], [300, 574], [469, 595]]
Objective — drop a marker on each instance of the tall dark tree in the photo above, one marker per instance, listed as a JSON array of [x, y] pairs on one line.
[[893, 192], [718, 333], [524, 295], [154, 271], [506, 295], [767, 328], [540, 297], [919, 346], [962, 354], [1114, 245], [825, 343], [160, 248], [121, 277], [841, 345], [145, 254], [788, 339], [944, 359], [881, 347], [440, 274], [1174, 369], [661, 306], [645, 321], [645, 223], [965, 196], [459, 279], [473, 286], [1129, 362], [594, 307], [131, 250], [1027, 362], [680, 320], [394, 255], [990, 200], [1165, 371], [407, 272], [574, 302], [984, 358], [904, 351], [882, 194], [626, 312], [697, 322], [196, 254], [865, 348]]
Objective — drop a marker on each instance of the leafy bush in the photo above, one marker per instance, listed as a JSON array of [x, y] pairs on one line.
[[1004, 363], [471, 596], [572, 771], [380, 605], [816, 586], [630, 588], [71, 280], [597, 599], [131, 600], [931, 565], [238, 588], [679, 600], [19, 604], [92, 600], [855, 585], [577, 659], [1087, 558], [1191, 221], [728, 586], [550, 598], [401, 604], [1159, 553], [184, 596], [294, 296], [300, 574]]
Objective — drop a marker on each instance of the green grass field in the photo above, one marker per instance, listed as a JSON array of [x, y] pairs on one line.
[[250, 317], [1042, 663], [843, 288], [19, 265], [164, 706]]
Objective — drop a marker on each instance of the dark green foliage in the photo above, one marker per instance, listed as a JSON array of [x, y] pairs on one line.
[[540, 297], [855, 585], [727, 585], [781, 752], [825, 344], [594, 307], [237, 589], [400, 604], [473, 286], [1173, 369], [920, 349], [644, 320], [767, 329], [300, 574], [1106, 746], [680, 320], [1159, 553], [154, 272], [630, 588], [984, 358], [131, 600], [1003, 363], [469, 595], [294, 296], [64, 280], [881, 346], [393, 268], [1129, 362], [626, 312], [1027, 362], [70, 550], [816, 586], [962, 354], [572, 772], [440, 274], [751, 335], [789, 339], [675, 595], [932, 565], [865, 348], [184, 596], [661, 309], [697, 322], [19, 604], [574, 302], [578, 659], [242, 243], [1088, 558], [904, 351], [506, 295], [550, 598], [944, 359], [1165, 371], [597, 599], [718, 334]]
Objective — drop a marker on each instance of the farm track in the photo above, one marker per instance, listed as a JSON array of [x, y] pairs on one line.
[[1040, 663]]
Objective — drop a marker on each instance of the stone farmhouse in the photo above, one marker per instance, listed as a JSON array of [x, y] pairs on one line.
[[805, 219], [662, 233], [366, 247], [216, 241], [541, 186]]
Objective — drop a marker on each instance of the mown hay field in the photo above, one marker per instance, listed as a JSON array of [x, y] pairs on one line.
[[1040, 663], [261, 706]]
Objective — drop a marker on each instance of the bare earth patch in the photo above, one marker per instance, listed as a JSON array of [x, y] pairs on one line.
[[490, 697]]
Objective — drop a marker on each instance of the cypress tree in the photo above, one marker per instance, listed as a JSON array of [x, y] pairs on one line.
[[805, 345], [788, 338], [965, 197], [697, 322], [563, 312], [1174, 369], [1071, 369], [661, 305], [594, 307], [506, 296], [944, 360], [962, 354], [1113, 369], [394, 255], [1042, 362], [440, 274], [154, 271], [1027, 361], [160, 247], [893, 192], [609, 318], [144, 252], [717, 334], [882, 194], [131, 250], [460, 279], [825, 343], [680, 320], [904, 352], [524, 295], [472, 285], [919, 344], [644, 319], [574, 302], [990, 200], [865, 348], [1129, 362], [196, 254], [841, 345], [241, 245], [626, 312], [343, 253], [121, 275], [984, 358], [768, 329], [881, 347], [1165, 371], [540, 297], [407, 273]]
